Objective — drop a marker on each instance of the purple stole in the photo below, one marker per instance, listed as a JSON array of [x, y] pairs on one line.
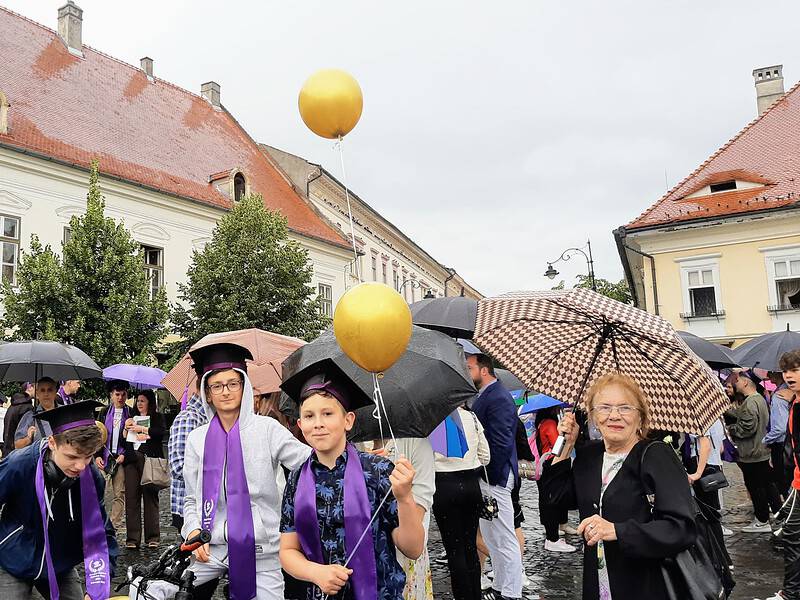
[[95, 546], [241, 537], [65, 399], [357, 515], [109, 423]]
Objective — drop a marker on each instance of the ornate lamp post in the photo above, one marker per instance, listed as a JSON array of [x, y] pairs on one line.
[[416, 285], [552, 273]]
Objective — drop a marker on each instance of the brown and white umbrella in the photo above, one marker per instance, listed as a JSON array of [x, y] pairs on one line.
[[560, 342]]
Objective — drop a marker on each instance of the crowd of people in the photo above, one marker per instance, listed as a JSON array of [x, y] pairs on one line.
[[295, 511]]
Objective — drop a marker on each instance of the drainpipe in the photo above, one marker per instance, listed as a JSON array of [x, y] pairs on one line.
[[313, 179], [452, 273], [620, 235]]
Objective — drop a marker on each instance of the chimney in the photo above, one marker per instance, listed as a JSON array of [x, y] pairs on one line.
[[769, 86], [210, 91], [70, 21], [147, 66]]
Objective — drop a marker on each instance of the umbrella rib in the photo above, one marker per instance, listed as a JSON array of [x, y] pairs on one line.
[[597, 350], [560, 352], [641, 352], [586, 314]]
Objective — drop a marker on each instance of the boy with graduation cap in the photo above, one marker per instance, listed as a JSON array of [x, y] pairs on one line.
[[53, 515], [329, 503], [231, 489]]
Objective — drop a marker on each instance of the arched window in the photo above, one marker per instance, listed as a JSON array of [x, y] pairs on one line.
[[3, 113], [239, 187]]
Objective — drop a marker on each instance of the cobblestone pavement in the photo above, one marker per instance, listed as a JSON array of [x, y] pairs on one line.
[[759, 566]]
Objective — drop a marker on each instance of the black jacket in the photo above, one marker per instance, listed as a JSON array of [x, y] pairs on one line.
[[154, 447], [642, 539], [20, 404]]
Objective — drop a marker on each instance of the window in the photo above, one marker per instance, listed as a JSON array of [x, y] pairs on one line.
[[404, 287], [325, 300], [722, 186], [154, 268], [374, 268], [383, 272], [395, 279], [702, 296], [10, 242], [67, 235], [787, 282], [239, 187], [700, 283]]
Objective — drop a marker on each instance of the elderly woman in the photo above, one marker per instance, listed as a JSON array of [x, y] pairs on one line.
[[609, 483]]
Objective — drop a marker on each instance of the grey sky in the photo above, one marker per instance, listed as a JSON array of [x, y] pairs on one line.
[[495, 134]]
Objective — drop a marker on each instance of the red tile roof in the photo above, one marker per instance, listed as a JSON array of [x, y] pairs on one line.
[[767, 151], [149, 132]]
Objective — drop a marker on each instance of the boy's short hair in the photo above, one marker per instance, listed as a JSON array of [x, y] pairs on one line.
[[86, 440], [790, 360], [49, 380]]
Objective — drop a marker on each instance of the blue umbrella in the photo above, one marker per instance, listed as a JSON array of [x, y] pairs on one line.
[[538, 402], [448, 438]]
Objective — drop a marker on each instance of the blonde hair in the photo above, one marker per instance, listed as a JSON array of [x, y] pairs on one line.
[[635, 393]]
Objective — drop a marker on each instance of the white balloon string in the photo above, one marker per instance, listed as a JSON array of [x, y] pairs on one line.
[[381, 406], [356, 262]]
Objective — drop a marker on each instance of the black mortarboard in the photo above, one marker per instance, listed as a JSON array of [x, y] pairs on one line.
[[327, 376], [220, 356], [117, 384], [70, 416]]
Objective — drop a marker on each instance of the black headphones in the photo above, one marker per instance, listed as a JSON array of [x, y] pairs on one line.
[[55, 477]]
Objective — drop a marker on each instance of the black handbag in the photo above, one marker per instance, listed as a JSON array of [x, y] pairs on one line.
[[713, 479], [691, 574], [489, 508]]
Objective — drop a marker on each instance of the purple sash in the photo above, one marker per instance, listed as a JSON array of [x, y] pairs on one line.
[[241, 537], [110, 428], [357, 514], [95, 546]]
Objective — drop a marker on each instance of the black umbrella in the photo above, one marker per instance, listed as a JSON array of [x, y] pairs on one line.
[[31, 360], [716, 356], [425, 385], [510, 381], [454, 316], [766, 350]]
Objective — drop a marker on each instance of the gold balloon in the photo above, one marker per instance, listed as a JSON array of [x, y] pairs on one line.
[[330, 103], [103, 431], [372, 324]]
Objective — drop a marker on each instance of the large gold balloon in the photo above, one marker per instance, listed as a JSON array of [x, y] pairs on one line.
[[330, 103], [372, 324]]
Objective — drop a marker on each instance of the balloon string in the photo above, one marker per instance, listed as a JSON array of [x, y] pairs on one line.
[[356, 262]]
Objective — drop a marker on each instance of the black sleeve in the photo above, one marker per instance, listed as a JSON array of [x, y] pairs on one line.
[[523, 449], [672, 527], [557, 485]]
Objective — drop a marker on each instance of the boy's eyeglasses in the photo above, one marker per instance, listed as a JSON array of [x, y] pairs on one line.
[[231, 386], [623, 410]]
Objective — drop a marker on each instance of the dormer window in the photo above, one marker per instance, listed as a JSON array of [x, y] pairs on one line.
[[232, 184], [723, 186], [239, 187]]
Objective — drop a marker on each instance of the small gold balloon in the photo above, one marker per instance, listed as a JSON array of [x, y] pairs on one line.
[[372, 324], [330, 103], [103, 431]]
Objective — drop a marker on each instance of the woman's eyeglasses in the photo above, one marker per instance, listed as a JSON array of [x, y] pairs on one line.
[[623, 410]]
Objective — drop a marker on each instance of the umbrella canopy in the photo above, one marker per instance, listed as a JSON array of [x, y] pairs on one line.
[[454, 316], [716, 356], [139, 376], [560, 342], [269, 350], [510, 381], [469, 347], [427, 383], [766, 350], [31, 360], [448, 438], [539, 402]]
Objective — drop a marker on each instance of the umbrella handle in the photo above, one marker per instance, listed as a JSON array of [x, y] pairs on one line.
[[558, 447]]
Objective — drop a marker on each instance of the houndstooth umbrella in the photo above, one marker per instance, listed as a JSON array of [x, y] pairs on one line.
[[559, 343]]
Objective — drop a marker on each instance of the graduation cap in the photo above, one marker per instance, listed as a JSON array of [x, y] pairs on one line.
[[220, 356], [326, 376], [70, 416]]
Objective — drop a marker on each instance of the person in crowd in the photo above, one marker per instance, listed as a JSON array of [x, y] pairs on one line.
[[457, 506], [554, 519], [229, 473], [609, 483], [20, 404], [497, 412], [29, 429], [269, 405], [68, 390], [748, 431], [776, 435], [29, 389], [789, 515], [186, 421], [53, 515], [319, 519], [152, 446], [112, 457]]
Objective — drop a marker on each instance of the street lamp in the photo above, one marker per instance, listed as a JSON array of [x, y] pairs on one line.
[[552, 273], [416, 285]]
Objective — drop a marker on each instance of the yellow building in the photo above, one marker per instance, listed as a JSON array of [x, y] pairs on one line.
[[719, 254]]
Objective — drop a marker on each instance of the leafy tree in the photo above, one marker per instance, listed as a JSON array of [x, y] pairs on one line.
[[616, 291], [249, 275], [96, 297]]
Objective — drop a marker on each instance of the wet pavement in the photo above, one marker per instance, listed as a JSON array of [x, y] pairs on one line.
[[758, 572]]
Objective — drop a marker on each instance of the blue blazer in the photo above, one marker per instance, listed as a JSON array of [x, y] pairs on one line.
[[497, 413]]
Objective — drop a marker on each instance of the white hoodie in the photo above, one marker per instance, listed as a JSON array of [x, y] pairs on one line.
[[266, 445]]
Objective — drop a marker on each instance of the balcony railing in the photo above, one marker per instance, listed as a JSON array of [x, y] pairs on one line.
[[717, 314], [779, 308]]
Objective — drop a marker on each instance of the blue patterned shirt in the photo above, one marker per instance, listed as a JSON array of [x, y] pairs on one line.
[[330, 518], [189, 419]]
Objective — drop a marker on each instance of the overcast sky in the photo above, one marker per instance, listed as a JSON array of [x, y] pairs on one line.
[[494, 134]]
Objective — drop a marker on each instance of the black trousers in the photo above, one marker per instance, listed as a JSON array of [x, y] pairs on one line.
[[762, 490], [779, 469], [790, 535], [456, 508], [551, 516]]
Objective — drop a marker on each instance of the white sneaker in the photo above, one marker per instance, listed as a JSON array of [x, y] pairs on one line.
[[559, 546], [525, 581], [441, 559], [567, 529], [757, 527], [726, 531], [490, 575], [777, 596], [486, 583]]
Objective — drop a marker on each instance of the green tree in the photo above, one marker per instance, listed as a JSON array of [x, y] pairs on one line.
[[97, 297], [249, 275], [616, 291]]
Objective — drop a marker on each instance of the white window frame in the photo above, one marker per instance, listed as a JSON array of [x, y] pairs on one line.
[[325, 292], [11, 241], [153, 270], [777, 255], [704, 263]]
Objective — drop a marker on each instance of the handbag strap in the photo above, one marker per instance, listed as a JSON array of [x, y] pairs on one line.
[[477, 432]]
